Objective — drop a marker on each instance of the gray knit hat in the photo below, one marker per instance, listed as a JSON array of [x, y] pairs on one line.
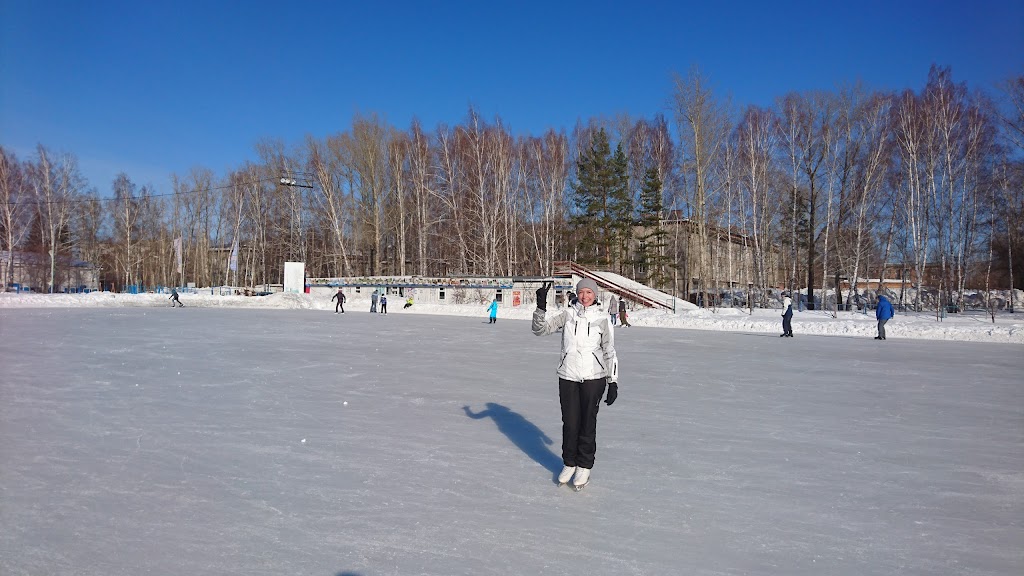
[[586, 283]]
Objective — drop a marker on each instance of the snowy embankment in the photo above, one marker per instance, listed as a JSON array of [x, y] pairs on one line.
[[1008, 328]]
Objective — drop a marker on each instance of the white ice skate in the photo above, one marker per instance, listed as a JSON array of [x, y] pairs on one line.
[[566, 475], [582, 478]]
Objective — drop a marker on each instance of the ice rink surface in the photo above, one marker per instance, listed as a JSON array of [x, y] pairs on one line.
[[234, 441]]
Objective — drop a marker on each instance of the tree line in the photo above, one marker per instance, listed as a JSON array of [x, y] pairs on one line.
[[820, 184]]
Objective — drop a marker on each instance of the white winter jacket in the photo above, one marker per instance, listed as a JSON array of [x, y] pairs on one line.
[[588, 342]]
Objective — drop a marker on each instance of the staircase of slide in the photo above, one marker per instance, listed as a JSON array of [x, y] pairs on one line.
[[624, 287]]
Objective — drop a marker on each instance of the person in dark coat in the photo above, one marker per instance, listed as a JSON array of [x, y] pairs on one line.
[[883, 312], [383, 304], [787, 318], [623, 318], [340, 297], [174, 298]]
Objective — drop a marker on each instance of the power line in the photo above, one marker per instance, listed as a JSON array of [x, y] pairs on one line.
[[164, 195]]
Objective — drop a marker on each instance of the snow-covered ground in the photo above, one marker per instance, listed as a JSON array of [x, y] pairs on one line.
[[140, 439], [969, 326]]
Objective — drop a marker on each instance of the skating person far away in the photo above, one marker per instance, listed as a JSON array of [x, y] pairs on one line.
[[340, 297], [174, 298], [883, 312], [493, 311], [588, 364], [383, 304], [623, 316], [787, 318]]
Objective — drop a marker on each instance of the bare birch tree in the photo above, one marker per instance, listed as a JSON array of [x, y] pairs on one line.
[[15, 205], [328, 163], [703, 127], [369, 161]]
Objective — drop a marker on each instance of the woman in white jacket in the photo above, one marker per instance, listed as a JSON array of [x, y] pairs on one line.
[[588, 363]]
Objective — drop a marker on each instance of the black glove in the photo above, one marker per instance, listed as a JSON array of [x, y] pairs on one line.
[[542, 297], [613, 393]]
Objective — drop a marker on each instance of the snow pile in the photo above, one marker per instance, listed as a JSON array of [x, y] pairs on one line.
[[973, 326], [644, 290]]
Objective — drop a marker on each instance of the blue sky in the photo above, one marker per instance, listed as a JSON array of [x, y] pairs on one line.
[[155, 87]]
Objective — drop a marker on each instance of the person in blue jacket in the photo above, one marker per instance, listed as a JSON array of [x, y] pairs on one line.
[[493, 310], [883, 312]]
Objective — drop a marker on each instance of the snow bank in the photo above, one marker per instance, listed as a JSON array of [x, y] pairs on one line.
[[972, 326]]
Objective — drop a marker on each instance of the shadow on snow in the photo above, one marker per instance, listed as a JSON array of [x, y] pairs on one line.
[[523, 433]]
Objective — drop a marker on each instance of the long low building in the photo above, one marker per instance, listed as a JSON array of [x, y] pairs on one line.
[[514, 291], [30, 272], [508, 290]]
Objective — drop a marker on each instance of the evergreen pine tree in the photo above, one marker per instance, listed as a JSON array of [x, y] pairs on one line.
[[592, 220], [651, 257], [794, 229], [620, 210]]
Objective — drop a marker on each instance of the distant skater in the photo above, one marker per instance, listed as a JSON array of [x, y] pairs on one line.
[[493, 310], [340, 297], [383, 304], [408, 303], [883, 312], [373, 302], [613, 308], [623, 317], [787, 318], [174, 298]]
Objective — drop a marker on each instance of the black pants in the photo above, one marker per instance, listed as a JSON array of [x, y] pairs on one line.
[[580, 401], [787, 325], [339, 306]]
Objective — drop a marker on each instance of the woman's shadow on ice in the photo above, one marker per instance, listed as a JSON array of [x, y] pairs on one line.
[[523, 433]]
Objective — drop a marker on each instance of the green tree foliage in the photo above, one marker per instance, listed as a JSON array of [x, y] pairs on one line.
[[651, 259], [603, 219], [793, 232], [620, 208]]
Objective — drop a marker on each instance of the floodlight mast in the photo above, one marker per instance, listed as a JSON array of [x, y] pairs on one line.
[[287, 180]]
